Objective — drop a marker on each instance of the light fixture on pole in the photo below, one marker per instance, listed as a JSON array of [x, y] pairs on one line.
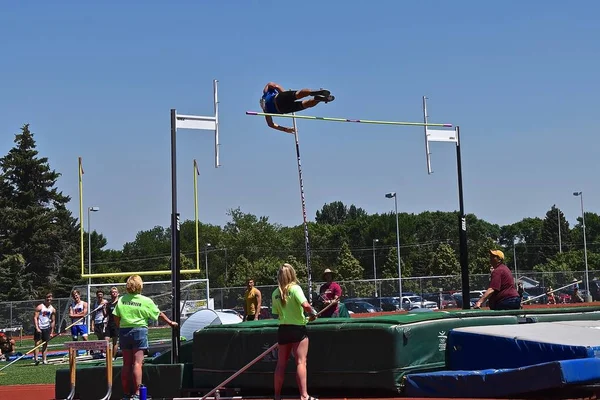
[[389, 196], [90, 211], [375, 266], [587, 278]]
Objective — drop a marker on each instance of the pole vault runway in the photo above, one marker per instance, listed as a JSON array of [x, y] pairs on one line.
[[27, 392], [46, 392]]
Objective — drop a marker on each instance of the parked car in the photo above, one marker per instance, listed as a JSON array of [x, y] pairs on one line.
[[385, 303], [359, 306], [459, 300], [412, 302], [476, 295], [447, 301], [366, 300]]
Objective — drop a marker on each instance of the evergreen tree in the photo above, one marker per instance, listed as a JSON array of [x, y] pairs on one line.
[[549, 241], [36, 225], [348, 268]]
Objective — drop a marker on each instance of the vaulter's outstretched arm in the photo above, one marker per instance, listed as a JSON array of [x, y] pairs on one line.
[[273, 125]]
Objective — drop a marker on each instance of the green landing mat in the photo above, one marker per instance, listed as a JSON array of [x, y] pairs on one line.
[[345, 354]]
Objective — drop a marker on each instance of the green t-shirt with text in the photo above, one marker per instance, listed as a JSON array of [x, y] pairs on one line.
[[135, 310], [292, 313]]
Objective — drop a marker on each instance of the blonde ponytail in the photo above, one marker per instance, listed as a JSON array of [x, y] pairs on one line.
[[286, 278]]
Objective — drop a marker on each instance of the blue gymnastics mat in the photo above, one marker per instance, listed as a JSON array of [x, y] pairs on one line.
[[495, 383], [514, 346]]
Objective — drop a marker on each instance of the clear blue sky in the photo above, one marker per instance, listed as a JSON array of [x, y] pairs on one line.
[[98, 81]]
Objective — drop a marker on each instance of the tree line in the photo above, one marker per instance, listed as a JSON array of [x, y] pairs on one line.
[[40, 249]]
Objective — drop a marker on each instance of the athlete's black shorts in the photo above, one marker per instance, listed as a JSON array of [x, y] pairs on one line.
[[287, 334], [111, 331], [44, 335], [286, 102], [99, 331]]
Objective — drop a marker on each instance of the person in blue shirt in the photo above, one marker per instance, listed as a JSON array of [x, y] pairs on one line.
[[277, 100]]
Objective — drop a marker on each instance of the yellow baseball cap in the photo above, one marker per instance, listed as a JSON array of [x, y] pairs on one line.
[[497, 253]]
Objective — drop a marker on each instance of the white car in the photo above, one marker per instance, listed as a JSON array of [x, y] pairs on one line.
[[412, 302]]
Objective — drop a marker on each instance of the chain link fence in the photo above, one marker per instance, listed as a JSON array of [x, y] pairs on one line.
[[20, 313]]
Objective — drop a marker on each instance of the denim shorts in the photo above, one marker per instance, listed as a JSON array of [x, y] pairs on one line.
[[133, 338]]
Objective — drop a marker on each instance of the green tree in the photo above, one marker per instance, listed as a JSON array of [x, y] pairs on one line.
[[444, 261], [241, 269], [336, 213], [347, 267], [150, 251], [11, 268], [389, 272], [549, 242], [349, 270], [527, 233], [592, 232], [36, 223]]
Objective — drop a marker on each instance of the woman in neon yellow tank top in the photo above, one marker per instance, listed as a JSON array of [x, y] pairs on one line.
[[289, 303], [131, 315]]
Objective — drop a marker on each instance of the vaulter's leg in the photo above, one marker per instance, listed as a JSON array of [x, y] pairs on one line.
[[302, 93]]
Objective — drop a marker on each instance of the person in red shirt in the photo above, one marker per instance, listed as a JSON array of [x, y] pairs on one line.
[[330, 291], [501, 292]]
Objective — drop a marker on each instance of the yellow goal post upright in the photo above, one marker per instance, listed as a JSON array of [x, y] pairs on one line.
[[90, 275], [89, 295]]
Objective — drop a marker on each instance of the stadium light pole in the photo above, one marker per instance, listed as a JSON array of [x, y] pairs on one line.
[[375, 266], [587, 278], [559, 235], [515, 258], [206, 266], [90, 210], [395, 197], [206, 246]]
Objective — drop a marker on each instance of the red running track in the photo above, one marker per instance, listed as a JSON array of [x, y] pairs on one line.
[[27, 392]]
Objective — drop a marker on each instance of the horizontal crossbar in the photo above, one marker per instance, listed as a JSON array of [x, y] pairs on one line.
[[141, 273], [362, 121]]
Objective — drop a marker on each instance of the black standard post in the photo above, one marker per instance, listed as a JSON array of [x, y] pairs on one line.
[[462, 230], [175, 254]]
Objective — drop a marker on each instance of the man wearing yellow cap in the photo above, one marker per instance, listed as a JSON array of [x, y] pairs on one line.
[[501, 292]]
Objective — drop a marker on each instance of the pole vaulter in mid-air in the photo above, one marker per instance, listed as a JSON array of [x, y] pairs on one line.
[[277, 100]]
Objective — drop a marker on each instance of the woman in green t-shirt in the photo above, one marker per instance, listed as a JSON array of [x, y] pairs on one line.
[[131, 315], [289, 303]]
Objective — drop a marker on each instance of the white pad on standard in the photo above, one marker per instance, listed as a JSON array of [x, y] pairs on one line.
[[205, 317]]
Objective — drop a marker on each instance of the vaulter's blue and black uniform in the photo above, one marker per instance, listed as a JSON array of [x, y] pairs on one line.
[[275, 102]]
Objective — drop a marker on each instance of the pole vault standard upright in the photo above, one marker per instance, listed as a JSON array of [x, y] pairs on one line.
[[364, 121], [180, 121], [439, 135]]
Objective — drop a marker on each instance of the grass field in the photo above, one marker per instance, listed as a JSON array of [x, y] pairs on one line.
[[25, 372]]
